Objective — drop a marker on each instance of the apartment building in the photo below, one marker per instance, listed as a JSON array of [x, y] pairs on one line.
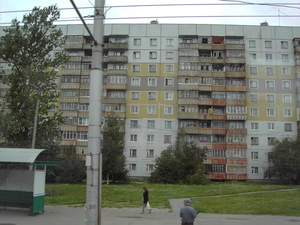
[[233, 88]]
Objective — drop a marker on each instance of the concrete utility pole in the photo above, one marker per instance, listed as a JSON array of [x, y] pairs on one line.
[[93, 163]]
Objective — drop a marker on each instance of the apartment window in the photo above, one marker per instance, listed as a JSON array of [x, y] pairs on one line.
[[82, 135], [153, 42], [269, 70], [270, 84], [253, 97], [285, 71], [151, 124], [66, 106], [271, 112], [169, 68], [151, 110], [150, 167], [285, 57], [132, 166], [169, 55], [169, 42], [269, 57], [254, 111], [136, 55], [253, 84], [137, 41], [287, 112], [254, 169], [253, 70], [134, 109], [150, 138], [271, 126], [254, 155], [132, 153], [254, 126], [83, 121], [169, 82], [168, 95], [134, 124], [69, 93], [136, 68], [70, 120], [152, 81], [85, 79], [168, 124], [254, 140], [284, 44], [271, 140], [168, 110], [287, 98], [268, 44], [167, 138], [153, 55], [252, 44], [252, 56], [151, 95], [135, 81], [286, 84], [84, 92], [135, 95], [70, 79], [133, 137], [287, 127], [152, 68], [270, 98], [69, 135], [150, 153]]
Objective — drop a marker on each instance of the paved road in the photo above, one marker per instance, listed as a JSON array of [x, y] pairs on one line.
[[64, 215]]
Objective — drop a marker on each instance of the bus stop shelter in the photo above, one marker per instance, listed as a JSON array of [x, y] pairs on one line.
[[23, 177]]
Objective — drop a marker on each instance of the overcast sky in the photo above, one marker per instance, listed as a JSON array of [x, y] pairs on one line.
[[156, 12]]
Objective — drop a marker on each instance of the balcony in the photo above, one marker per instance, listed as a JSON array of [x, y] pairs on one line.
[[70, 85], [188, 101], [87, 59], [236, 102], [188, 45], [217, 176], [114, 86], [236, 74], [73, 46], [187, 115], [115, 59], [116, 46], [188, 59], [236, 116], [211, 116], [236, 60], [236, 161], [235, 46], [219, 102], [235, 88], [184, 86], [217, 47], [218, 88], [71, 72], [190, 73], [297, 48], [237, 131], [114, 100], [238, 146], [75, 58], [232, 176], [114, 72], [218, 74], [107, 113], [218, 161]]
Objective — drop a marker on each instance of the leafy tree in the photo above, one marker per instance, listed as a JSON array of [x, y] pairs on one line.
[[180, 163], [27, 47], [284, 161], [113, 158]]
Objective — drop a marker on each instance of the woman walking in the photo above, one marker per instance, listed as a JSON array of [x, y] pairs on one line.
[[145, 199]]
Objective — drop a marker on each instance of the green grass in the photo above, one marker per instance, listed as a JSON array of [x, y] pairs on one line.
[[120, 196]]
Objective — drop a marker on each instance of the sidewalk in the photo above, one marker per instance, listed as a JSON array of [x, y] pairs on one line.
[[65, 215]]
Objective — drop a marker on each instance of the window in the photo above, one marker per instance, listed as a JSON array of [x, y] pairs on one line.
[[169, 55], [253, 70], [285, 57], [134, 109], [253, 84], [286, 84], [284, 44], [254, 126], [136, 55], [136, 68], [134, 124], [253, 97], [85, 79], [83, 121], [135, 81], [254, 169], [69, 135], [271, 140], [254, 111], [150, 138], [82, 135], [70, 79], [151, 81], [137, 41], [151, 124], [270, 112], [254, 140], [133, 137], [167, 138], [168, 110], [169, 42], [254, 155], [271, 126], [287, 98], [168, 95], [132, 153], [150, 167], [169, 68], [168, 124], [287, 127], [252, 56], [268, 44], [150, 153], [285, 71], [151, 95], [270, 98], [151, 110], [269, 70], [132, 166], [252, 44], [135, 95], [269, 57], [152, 68], [287, 112], [153, 42], [84, 92], [169, 82], [153, 55], [270, 84]]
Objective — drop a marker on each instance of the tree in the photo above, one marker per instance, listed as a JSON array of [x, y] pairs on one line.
[[284, 161], [180, 163], [27, 47], [113, 158]]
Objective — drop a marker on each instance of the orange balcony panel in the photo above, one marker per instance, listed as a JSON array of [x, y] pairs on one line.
[[237, 131], [217, 47], [217, 176], [237, 161], [218, 102], [231, 176], [218, 161], [219, 146], [219, 117], [236, 146], [219, 131]]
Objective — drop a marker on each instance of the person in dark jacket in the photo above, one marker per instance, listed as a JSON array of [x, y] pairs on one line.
[[187, 213], [145, 199]]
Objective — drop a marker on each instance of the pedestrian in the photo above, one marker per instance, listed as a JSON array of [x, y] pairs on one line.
[[187, 213], [145, 199]]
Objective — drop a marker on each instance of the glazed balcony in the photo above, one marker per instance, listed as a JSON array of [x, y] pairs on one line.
[[73, 46], [70, 85], [189, 73], [218, 74], [188, 101], [201, 130], [235, 88], [236, 161], [235, 74], [114, 72], [114, 86], [297, 48], [213, 160], [235, 46], [237, 131], [188, 46], [236, 116], [113, 100], [237, 146], [71, 72], [116, 46], [218, 88], [236, 102], [115, 59], [236, 60]]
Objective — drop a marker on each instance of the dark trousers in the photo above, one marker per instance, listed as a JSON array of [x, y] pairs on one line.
[[186, 223]]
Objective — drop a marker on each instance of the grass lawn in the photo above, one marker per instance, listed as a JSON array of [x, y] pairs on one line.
[[233, 201]]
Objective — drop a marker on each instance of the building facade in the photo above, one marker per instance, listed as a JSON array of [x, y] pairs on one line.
[[233, 88]]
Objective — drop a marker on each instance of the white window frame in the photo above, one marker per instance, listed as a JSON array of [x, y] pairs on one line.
[[152, 68], [168, 110], [287, 98], [254, 125], [151, 124], [271, 126], [153, 41], [284, 44], [254, 111], [252, 43], [254, 155], [269, 70], [168, 124], [136, 55], [269, 57], [152, 81], [271, 112], [268, 97], [253, 97], [169, 55], [137, 41], [135, 81], [254, 169], [133, 153], [286, 71], [151, 109], [149, 167], [268, 84], [169, 82], [252, 82], [252, 56], [132, 166], [134, 109], [253, 70], [136, 68], [167, 138], [286, 84], [150, 138], [169, 68], [285, 57], [152, 55], [268, 44], [135, 95], [150, 153], [169, 42], [287, 112], [169, 95], [133, 138]]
